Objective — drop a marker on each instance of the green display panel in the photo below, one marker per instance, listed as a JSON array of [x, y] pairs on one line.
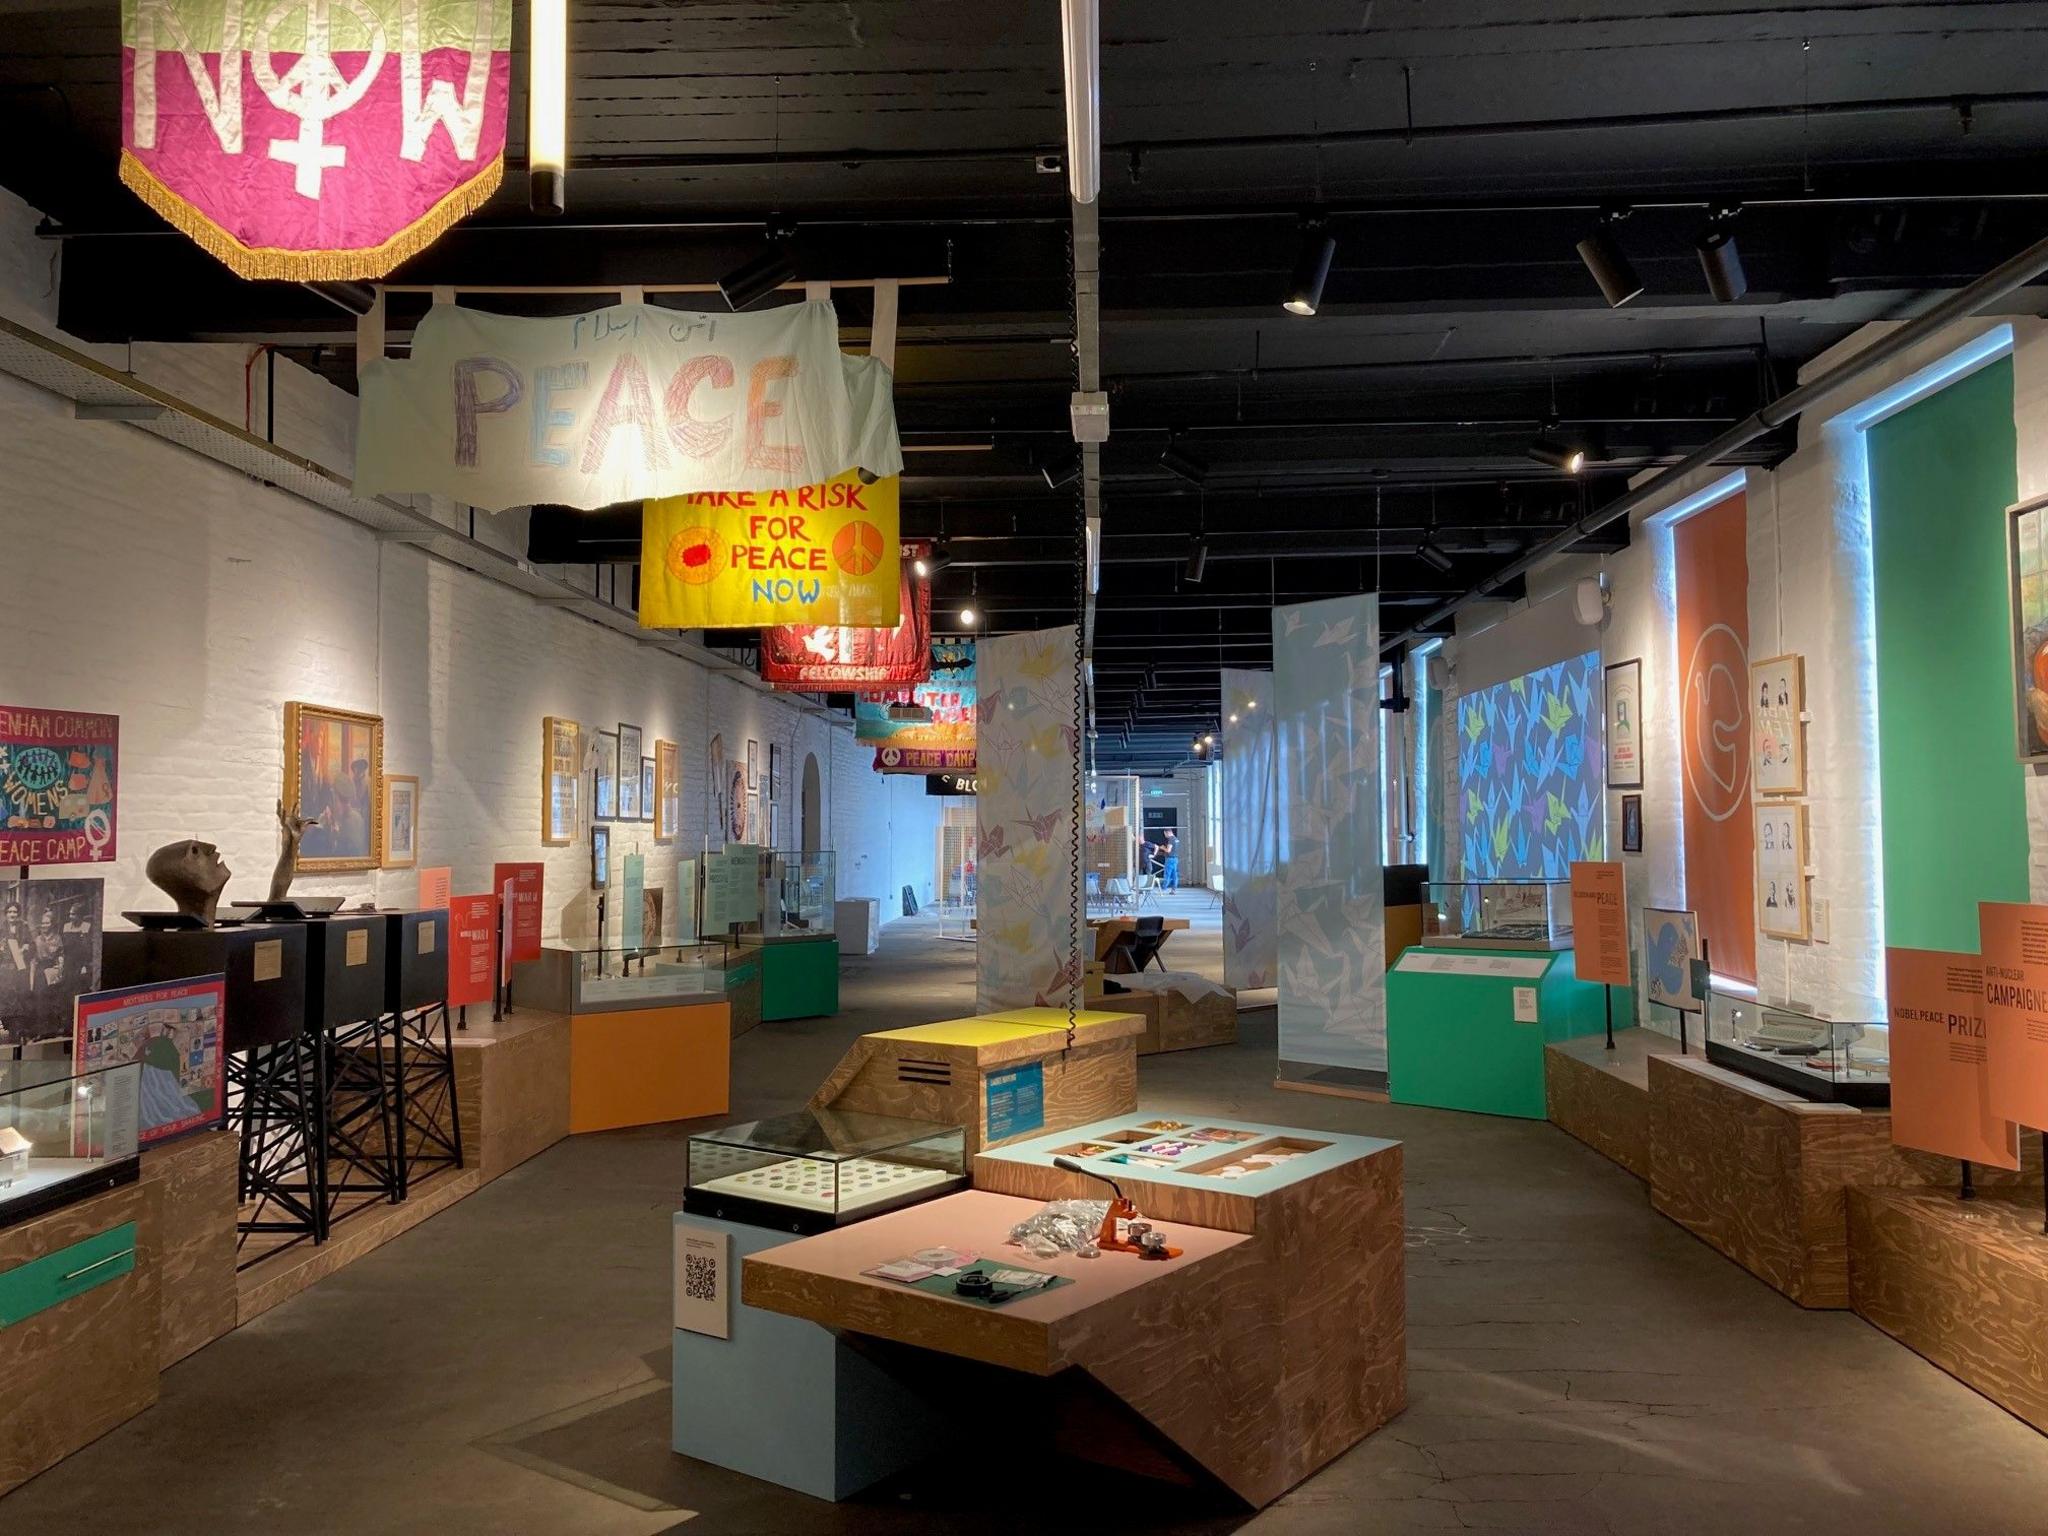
[[1469, 1041], [1942, 474], [799, 979], [56, 1277]]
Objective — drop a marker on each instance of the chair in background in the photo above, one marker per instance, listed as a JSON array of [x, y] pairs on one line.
[[1148, 937]]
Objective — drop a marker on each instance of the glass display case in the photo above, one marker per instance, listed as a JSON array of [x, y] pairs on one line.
[[1498, 914], [601, 980], [1789, 1046], [797, 895], [65, 1133], [821, 1168]]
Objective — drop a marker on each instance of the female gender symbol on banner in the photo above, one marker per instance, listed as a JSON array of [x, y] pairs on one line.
[[314, 90]]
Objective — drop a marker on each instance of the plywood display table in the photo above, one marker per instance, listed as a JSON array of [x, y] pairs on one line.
[[1175, 1021], [1764, 1175], [1310, 1346], [1204, 1348], [1963, 1283], [1002, 1075]]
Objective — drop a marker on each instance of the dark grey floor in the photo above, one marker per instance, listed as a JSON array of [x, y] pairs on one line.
[[1577, 1364]]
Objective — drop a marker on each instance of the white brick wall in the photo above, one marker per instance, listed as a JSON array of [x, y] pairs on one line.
[[146, 581]]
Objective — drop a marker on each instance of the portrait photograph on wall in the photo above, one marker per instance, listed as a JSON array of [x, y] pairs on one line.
[[604, 777], [401, 820], [630, 802], [334, 775], [1781, 872], [2027, 559], [668, 790], [49, 954], [1777, 700], [1631, 823], [561, 779], [647, 789]]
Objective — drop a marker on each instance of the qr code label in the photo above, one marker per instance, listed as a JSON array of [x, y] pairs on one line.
[[700, 1278]]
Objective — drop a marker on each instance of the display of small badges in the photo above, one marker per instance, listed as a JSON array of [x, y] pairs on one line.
[[1163, 1126], [1168, 1148], [816, 1185]]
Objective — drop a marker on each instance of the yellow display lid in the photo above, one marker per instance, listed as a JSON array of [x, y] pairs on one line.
[[1056, 1018], [978, 1031]]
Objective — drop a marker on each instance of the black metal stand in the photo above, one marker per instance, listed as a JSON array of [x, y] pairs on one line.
[[278, 1091], [600, 933], [1607, 996], [430, 1127], [362, 1115], [1969, 1189]]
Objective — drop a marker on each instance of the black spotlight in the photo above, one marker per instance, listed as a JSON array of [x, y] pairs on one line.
[[1554, 451], [1311, 269], [1431, 556], [1603, 258], [1198, 560], [1059, 476], [1721, 260], [1186, 465], [935, 562], [757, 279]]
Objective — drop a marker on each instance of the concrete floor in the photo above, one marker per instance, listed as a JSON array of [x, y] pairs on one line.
[[1577, 1364]]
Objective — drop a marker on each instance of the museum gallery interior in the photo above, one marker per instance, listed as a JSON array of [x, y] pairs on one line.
[[1034, 765]]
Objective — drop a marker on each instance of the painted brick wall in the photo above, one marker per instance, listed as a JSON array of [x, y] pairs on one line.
[[195, 602]]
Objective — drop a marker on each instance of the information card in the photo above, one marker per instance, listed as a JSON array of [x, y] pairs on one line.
[[1941, 1066], [1600, 923], [2014, 938]]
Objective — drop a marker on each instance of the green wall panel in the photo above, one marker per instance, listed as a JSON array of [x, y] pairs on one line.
[[1942, 474]]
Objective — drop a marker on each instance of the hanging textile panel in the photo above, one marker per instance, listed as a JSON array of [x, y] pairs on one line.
[[840, 658], [1027, 811], [1331, 901], [1710, 551], [1251, 877], [630, 402], [314, 140]]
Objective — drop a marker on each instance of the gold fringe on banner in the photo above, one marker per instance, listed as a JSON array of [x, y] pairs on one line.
[[274, 262]]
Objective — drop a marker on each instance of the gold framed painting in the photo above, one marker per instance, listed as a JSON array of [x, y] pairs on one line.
[[668, 791], [561, 779], [401, 820], [334, 774]]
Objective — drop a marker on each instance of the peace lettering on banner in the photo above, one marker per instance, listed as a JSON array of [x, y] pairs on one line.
[[625, 403]]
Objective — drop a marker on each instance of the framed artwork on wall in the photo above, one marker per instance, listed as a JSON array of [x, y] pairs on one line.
[[2027, 562], [561, 779], [1625, 725], [600, 857], [774, 773], [401, 820], [1631, 823], [604, 778], [1671, 942], [668, 790], [1781, 895], [334, 773], [647, 789], [1777, 705], [753, 767], [629, 773]]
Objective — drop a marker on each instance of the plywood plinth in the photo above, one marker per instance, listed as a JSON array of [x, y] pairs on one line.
[[1602, 1097], [940, 1071], [1764, 1175], [191, 1187], [1963, 1283], [512, 1083], [73, 1371], [1174, 1023]]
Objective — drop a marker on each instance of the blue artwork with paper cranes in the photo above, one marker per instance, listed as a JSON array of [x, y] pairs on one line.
[[1530, 765]]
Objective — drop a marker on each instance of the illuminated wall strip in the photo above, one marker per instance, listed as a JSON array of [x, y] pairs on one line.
[[547, 106]]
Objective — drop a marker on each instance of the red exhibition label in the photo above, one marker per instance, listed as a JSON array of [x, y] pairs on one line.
[[523, 921], [472, 938]]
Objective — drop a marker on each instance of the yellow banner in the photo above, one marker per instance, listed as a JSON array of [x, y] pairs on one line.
[[821, 554]]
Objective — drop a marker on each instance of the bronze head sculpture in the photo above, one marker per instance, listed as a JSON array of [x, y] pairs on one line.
[[192, 875]]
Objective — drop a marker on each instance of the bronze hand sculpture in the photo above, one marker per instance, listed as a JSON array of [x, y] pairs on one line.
[[294, 826]]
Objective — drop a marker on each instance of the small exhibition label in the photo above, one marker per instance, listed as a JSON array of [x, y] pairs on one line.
[[1016, 1101]]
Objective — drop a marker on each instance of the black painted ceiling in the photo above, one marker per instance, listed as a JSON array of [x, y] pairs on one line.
[[1878, 152]]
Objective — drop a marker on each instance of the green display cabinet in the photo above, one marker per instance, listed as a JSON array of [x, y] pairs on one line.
[[799, 976], [1466, 1028]]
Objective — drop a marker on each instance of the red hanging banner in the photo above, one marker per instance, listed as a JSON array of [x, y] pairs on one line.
[[830, 658]]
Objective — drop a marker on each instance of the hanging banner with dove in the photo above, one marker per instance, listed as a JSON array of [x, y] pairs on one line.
[[314, 140], [942, 743]]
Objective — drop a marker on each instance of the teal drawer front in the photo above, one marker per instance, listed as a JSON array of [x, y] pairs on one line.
[[56, 1277]]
